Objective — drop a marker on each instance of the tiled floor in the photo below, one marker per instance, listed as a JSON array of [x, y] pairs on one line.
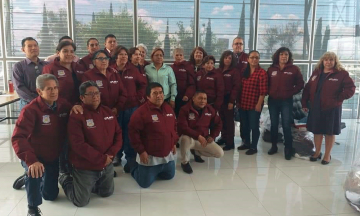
[[234, 185]]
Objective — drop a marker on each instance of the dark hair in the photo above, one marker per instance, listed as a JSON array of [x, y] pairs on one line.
[[114, 54], [64, 44], [155, 50], [85, 85], [109, 36], [65, 37], [208, 58], [151, 86], [199, 92], [246, 73], [97, 53], [27, 39], [88, 41], [226, 54], [132, 51], [192, 59], [276, 56]]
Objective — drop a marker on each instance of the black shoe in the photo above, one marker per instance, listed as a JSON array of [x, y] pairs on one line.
[[313, 159], [186, 168], [221, 141], [177, 145], [273, 150], [243, 147], [197, 158], [115, 174], [324, 162], [19, 182], [34, 212], [116, 162], [127, 168], [288, 153], [251, 151], [228, 147]]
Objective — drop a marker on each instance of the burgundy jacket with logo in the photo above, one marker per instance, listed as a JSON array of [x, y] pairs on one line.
[[153, 129], [135, 85], [185, 79], [337, 87], [283, 84], [242, 62], [192, 124], [86, 62], [113, 91], [40, 132], [232, 83], [212, 83], [93, 135], [69, 81]]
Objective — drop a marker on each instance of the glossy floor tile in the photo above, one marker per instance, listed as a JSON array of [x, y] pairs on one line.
[[236, 184]]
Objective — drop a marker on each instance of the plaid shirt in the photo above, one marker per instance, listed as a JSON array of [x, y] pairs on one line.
[[252, 88]]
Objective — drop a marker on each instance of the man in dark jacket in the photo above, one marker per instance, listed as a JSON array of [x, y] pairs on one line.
[[199, 123], [95, 138]]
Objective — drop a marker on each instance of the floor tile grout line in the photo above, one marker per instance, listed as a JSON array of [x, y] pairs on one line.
[[16, 205], [260, 202], [202, 206]]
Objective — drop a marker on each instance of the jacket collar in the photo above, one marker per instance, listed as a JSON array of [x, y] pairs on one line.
[[44, 106], [153, 66]]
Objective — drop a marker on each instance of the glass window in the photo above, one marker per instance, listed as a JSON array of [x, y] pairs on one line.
[[43, 20], [335, 29], [222, 21], [100, 18], [167, 24], [284, 23], [2, 86]]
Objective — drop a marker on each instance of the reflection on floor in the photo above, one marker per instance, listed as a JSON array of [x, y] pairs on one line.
[[234, 185]]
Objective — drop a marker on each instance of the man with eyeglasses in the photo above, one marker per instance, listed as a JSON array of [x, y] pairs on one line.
[[95, 137], [53, 57], [92, 47]]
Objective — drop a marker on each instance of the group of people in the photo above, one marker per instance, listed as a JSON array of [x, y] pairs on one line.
[[79, 116]]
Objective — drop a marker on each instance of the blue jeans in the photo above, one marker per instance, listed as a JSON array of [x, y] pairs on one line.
[[285, 108], [250, 120], [22, 103], [124, 119], [45, 187], [146, 175]]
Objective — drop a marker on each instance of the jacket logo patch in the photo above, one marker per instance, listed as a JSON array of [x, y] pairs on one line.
[[169, 114], [109, 118], [62, 115], [114, 82], [227, 75], [244, 62], [155, 118], [191, 116], [313, 78], [288, 73], [208, 114], [182, 70], [274, 73], [332, 79], [80, 72], [129, 77], [144, 75], [46, 119], [91, 66], [209, 78], [99, 83], [61, 73], [198, 78], [90, 123]]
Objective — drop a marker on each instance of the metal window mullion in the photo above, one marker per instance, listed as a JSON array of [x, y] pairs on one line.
[[71, 15], [197, 21], [312, 37], [135, 24], [257, 6]]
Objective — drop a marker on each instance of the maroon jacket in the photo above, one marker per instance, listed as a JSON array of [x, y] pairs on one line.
[[232, 83], [153, 129], [135, 85], [86, 62], [185, 79], [283, 84], [192, 124], [212, 83], [40, 132], [242, 61], [93, 135], [337, 87], [113, 91], [69, 81]]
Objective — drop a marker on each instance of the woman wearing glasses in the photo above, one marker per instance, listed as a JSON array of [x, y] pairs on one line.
[[113, 92], [67, 72], [254, 88], [285, 80], [163, 74]]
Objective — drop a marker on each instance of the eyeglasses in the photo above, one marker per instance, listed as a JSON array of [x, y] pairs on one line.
[[254, 58], [238, 44], [37, 71], [92, 94], [102, 59]]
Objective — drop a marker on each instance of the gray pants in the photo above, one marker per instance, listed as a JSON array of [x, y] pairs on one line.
[[86, 182]]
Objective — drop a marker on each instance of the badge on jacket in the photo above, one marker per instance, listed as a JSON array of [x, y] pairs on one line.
[[155, 118], [191, 116], [314, 77], [91, 66], [198, 78], [46, 119], [90, 123], [99, 83], [274, 73], [61, 73]]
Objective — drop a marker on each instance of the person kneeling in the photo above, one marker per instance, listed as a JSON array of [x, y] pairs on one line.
[[195, 121], [152, 133], [95, 137]]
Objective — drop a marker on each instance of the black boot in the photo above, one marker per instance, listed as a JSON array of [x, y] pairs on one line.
[[186, 168], [34, 211], [289, 153], [19, 182], [273, 149], [221, 141], [197, 158], [228, 147]]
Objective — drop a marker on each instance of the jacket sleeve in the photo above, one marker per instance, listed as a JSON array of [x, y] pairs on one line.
[[220, 91], [136, 125], [23, 129], [141, 87], [348, 88], [216, 125], [236, 84], [122, 95], [299, 82], [117, 143], [191, 85], [19, 84], [78, 143], [184, 127], [305, 95], [172, 84], [264, 85]]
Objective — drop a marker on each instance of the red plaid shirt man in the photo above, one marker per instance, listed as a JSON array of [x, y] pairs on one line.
[[252, 88]]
